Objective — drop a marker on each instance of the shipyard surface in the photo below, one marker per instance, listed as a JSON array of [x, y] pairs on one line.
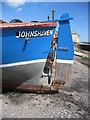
[[70, 102]]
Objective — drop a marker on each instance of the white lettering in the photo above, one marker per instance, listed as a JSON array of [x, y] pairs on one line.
[[35, 33], [31, 34], [18, 34], [28, 34], [23, 34]]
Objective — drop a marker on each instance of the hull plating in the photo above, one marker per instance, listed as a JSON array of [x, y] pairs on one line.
[[28, 74], [17, 50]]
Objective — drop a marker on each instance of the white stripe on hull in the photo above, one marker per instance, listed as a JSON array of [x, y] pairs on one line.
[[34, 61], [23, 63], [65, 61]]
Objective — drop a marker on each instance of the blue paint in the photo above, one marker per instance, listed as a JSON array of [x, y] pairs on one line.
[[65, 41], [18, 50], [65, 17]]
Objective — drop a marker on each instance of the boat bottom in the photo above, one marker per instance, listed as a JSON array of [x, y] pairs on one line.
[[27, 78], [15, 76], [32, 88]]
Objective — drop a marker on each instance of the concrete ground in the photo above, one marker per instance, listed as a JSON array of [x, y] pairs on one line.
[[71, 102]]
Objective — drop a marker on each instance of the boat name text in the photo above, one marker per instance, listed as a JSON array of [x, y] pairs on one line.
[[28, 34]]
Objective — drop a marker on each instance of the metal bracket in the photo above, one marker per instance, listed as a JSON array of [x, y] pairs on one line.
[[50, 51], [62, 49]]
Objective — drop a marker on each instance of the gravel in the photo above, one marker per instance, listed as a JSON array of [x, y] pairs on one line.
[[71, 102]]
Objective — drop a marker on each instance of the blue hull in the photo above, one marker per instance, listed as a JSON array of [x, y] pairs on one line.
[[18, 50], [23, 58], [25, 50]]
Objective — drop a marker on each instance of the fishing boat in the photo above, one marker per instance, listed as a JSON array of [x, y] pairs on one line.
[[25, 47], [24, 51]]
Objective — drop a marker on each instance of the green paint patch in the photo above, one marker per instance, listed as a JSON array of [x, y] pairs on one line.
[[85, 58]]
